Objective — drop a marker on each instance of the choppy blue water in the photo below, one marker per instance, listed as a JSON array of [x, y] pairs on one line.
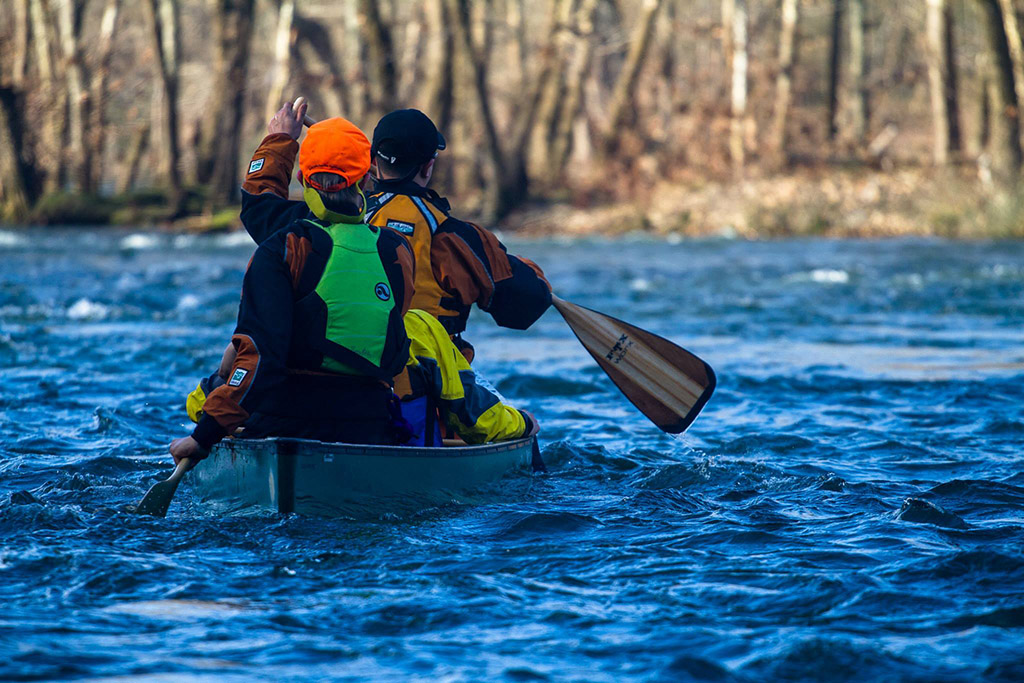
[[849, 506]]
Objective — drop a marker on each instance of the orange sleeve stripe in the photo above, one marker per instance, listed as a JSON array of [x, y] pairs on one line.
[[501, 269], [223, 404], [535, 268], [271, 167], [296, 251], [459, 270]]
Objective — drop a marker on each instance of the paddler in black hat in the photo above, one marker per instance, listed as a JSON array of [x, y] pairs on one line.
[[457, 263]]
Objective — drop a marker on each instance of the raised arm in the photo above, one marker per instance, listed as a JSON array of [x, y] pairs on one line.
[[265, 204]]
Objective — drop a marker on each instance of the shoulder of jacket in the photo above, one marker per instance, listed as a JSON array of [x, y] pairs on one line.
[[390, 238], [376, 201], [459, 226]]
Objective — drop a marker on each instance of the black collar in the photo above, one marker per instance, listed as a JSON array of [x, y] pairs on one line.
[[412, 189]]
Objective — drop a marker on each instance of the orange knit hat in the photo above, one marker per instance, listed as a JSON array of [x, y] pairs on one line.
[[334, 146]]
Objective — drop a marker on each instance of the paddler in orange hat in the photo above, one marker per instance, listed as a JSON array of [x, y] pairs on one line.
[[320, 333]]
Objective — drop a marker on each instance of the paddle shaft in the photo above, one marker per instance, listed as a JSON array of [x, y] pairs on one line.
[[179, 471], [307, 119]]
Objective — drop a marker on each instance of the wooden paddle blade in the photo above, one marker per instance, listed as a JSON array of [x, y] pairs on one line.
[[664, 381], [158, 499]]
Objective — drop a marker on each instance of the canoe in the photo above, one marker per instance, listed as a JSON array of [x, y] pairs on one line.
[[313, 477]]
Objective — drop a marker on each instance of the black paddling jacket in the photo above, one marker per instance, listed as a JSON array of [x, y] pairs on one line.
[[292, 320]]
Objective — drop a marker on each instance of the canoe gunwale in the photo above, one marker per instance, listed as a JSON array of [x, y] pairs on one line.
[[294, 447]]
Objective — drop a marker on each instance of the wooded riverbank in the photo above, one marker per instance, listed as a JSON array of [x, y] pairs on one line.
[[727, 112], [853, 202]]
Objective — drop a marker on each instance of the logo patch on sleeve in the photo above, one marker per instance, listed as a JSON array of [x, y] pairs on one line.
[[382, 291], [237, 377], [256, 165], [406, 228]]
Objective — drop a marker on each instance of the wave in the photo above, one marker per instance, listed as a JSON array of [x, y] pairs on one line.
[[920, 511]]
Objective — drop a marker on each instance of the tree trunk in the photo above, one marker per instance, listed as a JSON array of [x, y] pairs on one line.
[[163, 16], [622, 102], [583, 56], [439, 100], [938, 76], [318, 60], [19, 60], [69, 22], [16, 177], [738, 89], [412, 53], [1004, 134], [553, 94], [514, 19], [728, 10], [857, 91], [284, 41], [956, 144], [526, 112], [1013, 41], [98, 120], [986, 96], [508, 184], [136, 148], [835, 47], [220, 139], [784, 81], [382, 56], [51, 139]]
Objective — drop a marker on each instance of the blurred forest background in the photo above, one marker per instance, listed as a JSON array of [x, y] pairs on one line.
[[748, 117]]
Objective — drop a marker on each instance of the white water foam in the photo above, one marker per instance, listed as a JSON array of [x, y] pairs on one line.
[[640, 285], [183, 241], [188, 302], [239, 238], [830, 276], [11, 239], [140, 241], [827, 276], [83, 309]]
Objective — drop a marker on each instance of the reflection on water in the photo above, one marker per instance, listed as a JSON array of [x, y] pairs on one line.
[[847, 507]]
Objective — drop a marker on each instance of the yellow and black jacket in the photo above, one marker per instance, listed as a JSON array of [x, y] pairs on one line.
[[438, 378], [458, 264]]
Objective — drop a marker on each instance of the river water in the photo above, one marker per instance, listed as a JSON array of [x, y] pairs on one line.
[[850, 505]]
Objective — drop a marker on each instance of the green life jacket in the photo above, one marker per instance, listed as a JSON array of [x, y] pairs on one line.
[[363, 333]]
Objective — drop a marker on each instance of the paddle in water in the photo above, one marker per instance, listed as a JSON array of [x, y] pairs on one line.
[[158, 498], [664, 381]]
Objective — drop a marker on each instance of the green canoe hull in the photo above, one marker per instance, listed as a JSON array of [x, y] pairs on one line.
[[312, 477]]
